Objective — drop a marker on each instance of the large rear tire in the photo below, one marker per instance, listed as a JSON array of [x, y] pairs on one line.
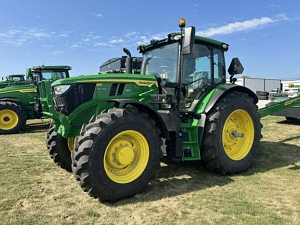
[[116, 154], [232, 134], [12, 117], [58, 149]]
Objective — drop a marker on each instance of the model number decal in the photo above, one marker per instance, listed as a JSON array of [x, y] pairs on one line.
[[138, 82], [291, 101]]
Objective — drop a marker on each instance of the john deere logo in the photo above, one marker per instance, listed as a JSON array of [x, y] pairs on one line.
[[146, 83]]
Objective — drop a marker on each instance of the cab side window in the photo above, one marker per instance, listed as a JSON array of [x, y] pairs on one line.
[[219, 66]]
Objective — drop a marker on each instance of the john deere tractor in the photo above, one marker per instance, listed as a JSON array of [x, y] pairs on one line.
[[14, 79], [118, 121], [19, 102]]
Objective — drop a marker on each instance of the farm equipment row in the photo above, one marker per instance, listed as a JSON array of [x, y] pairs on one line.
[[28, 99], [108, 129], [22, 99]]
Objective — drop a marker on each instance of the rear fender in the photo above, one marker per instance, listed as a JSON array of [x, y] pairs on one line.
[[17, 101], [224, 90]]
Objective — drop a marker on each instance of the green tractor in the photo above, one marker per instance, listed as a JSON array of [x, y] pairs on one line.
[[22, 101], [116, 124], [14, 79]]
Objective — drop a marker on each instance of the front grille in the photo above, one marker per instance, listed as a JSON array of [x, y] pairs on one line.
[[76, 95]]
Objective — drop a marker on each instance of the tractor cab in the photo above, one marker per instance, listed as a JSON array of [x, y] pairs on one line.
[[16, 77], [42, 77], [185, 74], [51, 73]]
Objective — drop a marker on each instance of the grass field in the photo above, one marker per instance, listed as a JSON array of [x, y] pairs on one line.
[[33, 190]]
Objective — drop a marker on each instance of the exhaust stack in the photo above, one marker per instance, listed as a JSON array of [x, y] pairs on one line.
[[128, 61]]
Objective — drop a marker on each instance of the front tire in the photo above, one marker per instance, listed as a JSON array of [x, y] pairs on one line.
[[232, 134], [12, 117], [116, 154], [58, 149]]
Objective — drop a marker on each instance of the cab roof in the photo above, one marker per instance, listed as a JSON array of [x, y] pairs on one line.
[[51, 67], [169, 40]]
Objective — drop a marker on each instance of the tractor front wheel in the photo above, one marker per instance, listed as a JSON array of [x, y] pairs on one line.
[[116, 154], [232, 134], [12, 117], [59, 148]]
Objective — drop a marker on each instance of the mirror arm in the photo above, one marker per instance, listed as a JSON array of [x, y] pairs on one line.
[[231, 79]]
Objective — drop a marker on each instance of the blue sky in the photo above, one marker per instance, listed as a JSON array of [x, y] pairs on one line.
[[83, 34]]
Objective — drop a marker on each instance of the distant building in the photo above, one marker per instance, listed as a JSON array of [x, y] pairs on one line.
[[259, 84]]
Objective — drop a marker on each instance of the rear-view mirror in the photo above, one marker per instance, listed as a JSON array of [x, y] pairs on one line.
[[188, 40], [235, 67]]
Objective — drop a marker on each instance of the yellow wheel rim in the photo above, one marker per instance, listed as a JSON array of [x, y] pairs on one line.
[[126, 157], [238, 135], [70, 142], [8, 119]]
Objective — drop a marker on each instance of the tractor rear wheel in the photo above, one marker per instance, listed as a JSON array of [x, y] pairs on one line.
[[58, 148], [12, 117], [232, 134], [116, 154]]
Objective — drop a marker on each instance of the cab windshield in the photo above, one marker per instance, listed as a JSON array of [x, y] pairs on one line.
[[161, 62], [197, 69], [53, 75], [16, 78]]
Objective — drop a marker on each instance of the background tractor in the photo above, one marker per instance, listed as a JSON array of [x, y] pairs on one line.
[[119, 120], [15, 79], [22, 101]]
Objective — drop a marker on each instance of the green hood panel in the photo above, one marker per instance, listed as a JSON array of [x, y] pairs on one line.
[[141, 80]]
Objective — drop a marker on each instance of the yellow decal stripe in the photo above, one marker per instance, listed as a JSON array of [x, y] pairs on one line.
[[138, 82], [22, 91]]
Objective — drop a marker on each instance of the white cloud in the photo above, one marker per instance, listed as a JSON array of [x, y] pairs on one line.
[[35, 33], [274, 6], [99, 15], [143, 40], [281, 17], [10, 34], [159, 36], [74, 46], [101, 44], [18, 37], [117, 41], [227, 29], [131, 34], [17, 42], [241, 26], [86, 40], [47, 46], [63, 35], [57, 52]]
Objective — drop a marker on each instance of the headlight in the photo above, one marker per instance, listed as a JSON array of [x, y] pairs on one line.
[[60, 89]]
